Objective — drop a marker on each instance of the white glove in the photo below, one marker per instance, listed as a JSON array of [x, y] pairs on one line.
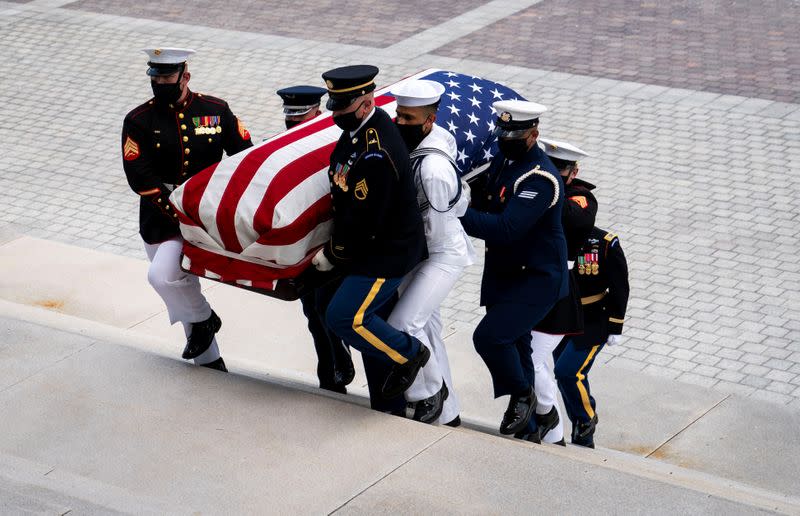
[[613, 340], [321, 262]]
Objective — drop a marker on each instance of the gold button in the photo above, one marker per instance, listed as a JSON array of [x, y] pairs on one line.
[[210, 140], [180, 115], [158, 200], [150, 102], [168, 208], [186, 138], [185, 163], [171, 106], [186, 151], [355, 140], [184, 174], [183, 127], [158, 145]]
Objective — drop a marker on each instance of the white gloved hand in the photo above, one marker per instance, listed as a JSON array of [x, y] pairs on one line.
[[321, 262], [613, 340]]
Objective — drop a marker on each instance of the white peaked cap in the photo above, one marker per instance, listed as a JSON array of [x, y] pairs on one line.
[[518, 110], [168, 55], [561, 150]]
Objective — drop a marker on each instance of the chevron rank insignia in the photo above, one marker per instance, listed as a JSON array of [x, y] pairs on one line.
[[130, 151], [243, 132], [361, 190]]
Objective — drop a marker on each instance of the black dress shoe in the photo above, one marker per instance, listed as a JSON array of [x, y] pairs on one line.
[[546, 422], [333, 387], [201, 336], [561, 443], [343, 374], [532, 437], [428, 410], [454, 423], [217, 364], [518, 414], [402, 376], [583, 433]]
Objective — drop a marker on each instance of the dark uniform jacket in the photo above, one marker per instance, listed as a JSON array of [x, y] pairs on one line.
[[580, 211], [377, 227], [602, 273], [577, 218], [526, 253], [162, 147]]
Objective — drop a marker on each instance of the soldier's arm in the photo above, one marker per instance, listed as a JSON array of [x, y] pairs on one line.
[[525, 207], [235, 136], [618, 288], [579, 213], [361, 222], [139, 166], [440, 183]]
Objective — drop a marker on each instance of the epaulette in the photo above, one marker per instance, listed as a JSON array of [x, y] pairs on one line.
[[373, 142], [213, 100], [140, 109], [609, 237]]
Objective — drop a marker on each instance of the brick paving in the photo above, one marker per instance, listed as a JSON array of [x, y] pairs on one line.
[[699, 185], [736, 47], [322, 20]]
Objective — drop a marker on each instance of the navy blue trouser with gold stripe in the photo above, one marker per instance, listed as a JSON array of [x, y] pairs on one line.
[[572, 366], [352, 316]]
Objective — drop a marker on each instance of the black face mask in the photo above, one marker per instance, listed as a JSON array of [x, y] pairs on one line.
[[348, 121], [412, 134], [166, 94], [513, 148], [291, 123]]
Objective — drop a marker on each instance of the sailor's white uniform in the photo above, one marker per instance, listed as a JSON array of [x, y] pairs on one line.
[[450, 251]]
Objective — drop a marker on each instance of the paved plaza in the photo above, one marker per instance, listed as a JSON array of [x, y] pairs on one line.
[[692, 117]]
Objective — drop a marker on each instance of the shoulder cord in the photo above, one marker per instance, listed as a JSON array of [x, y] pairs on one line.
[[417, 157], [538, 172]]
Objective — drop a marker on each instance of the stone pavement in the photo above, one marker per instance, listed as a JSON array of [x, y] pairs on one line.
[[698, 182]]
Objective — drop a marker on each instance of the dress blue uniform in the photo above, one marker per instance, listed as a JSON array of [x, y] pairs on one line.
[[378, 235], [334, 363], [602, 274], [519, 217]]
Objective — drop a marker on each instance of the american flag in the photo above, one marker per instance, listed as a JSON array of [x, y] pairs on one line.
[[466, 111], [259, 216]]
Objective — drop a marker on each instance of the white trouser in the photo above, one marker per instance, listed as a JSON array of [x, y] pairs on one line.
[[180, 291], [544, 381], [417, 313]]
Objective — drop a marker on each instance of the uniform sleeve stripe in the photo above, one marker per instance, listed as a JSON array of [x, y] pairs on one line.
[[615, 320], [150, 192]]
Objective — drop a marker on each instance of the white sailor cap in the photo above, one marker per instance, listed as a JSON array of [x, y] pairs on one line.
[[419, 92], [561, 150], [166, 61], [515, 117]]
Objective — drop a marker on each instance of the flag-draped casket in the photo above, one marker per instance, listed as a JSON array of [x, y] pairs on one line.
[[257, 218]]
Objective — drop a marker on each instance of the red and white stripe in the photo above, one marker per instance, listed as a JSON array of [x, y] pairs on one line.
[[260, 215]]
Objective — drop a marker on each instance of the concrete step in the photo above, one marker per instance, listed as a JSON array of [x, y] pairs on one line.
[[95, 423], [686, 426]]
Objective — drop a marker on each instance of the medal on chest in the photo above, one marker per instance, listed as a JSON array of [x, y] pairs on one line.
[[340, 175], [589, 263]]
